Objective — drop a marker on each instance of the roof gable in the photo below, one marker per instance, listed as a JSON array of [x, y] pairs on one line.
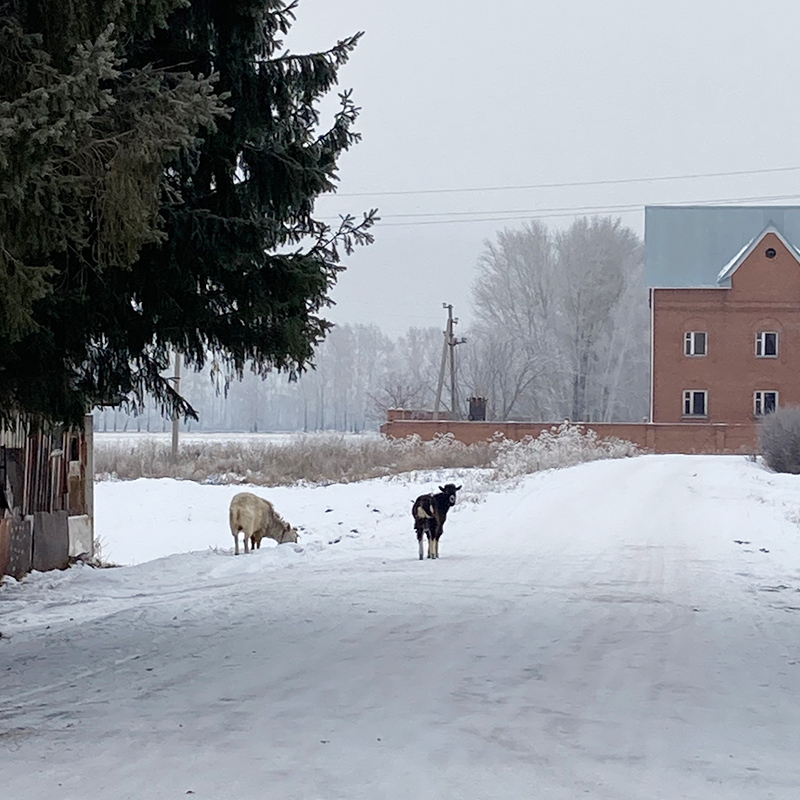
[[727, 271]]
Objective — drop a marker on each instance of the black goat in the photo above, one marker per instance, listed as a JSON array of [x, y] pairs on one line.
[[430, 512]]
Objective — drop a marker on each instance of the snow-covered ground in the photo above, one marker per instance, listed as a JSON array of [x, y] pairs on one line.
[[623, 629]]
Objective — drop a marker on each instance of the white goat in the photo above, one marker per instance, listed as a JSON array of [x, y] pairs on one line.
[[256, 518]]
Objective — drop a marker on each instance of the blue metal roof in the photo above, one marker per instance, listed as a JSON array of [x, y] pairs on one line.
[[687, 246]]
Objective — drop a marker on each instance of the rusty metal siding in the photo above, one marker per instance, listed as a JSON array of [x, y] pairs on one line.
[[51, 480]]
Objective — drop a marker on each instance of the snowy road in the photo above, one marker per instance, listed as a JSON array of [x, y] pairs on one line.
[[622, 630]]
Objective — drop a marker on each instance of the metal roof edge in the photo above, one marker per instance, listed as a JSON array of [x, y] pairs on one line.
[[727, 271]]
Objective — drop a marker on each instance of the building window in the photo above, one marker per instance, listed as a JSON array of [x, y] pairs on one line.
[[766, 344], [771, 253], [694, 343], [764, 403], [695, 403]]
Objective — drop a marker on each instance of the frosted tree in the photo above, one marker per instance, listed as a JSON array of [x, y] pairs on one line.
[[561, 324], [412, 372], [597, 260], [494, 367], [514, 337]]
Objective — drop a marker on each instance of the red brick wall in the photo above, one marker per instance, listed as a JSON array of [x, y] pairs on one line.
[[764, 296], [653, 437]]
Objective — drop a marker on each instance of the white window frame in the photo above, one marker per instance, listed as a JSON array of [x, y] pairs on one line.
[[689, 398], [690, 343], [761, 344], [760, 402]]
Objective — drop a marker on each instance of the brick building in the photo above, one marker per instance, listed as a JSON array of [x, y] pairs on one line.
[[725, 311], [725, 333]]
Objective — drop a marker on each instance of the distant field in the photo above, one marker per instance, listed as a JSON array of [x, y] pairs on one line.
[[109, 438]]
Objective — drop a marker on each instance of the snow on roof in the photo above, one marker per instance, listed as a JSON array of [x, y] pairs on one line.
[[733, 264], [738, 259]]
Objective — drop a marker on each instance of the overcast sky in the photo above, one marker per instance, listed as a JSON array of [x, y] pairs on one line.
[[464, 95]]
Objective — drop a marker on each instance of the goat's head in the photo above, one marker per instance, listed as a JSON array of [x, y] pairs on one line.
[[288, 534], [450, 490]]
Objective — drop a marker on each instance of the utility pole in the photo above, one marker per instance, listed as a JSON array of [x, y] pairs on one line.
[[450, 343], [441, 372], [175, 420]]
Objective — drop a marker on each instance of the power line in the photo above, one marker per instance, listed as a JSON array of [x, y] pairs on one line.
[[568, 184], [546, 213]]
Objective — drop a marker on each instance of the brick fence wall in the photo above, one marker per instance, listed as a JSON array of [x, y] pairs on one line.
[[658, 437]]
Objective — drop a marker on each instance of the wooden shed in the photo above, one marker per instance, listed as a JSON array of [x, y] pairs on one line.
[[46, 497]]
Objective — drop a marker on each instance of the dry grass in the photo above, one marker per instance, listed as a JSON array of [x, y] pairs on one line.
[[338, 458], [312, 458]]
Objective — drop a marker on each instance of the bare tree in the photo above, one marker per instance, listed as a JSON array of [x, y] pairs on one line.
[[411, 378], [495, 368], [561, 323], [623, 356], [596, 259], [396, 391], [515, 314]]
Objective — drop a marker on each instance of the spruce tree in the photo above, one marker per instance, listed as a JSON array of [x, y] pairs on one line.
[[173, 189]]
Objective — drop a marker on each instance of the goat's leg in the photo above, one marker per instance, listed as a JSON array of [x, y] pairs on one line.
[[246, 542], [420, 531], [433, 539], [236, 543]]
